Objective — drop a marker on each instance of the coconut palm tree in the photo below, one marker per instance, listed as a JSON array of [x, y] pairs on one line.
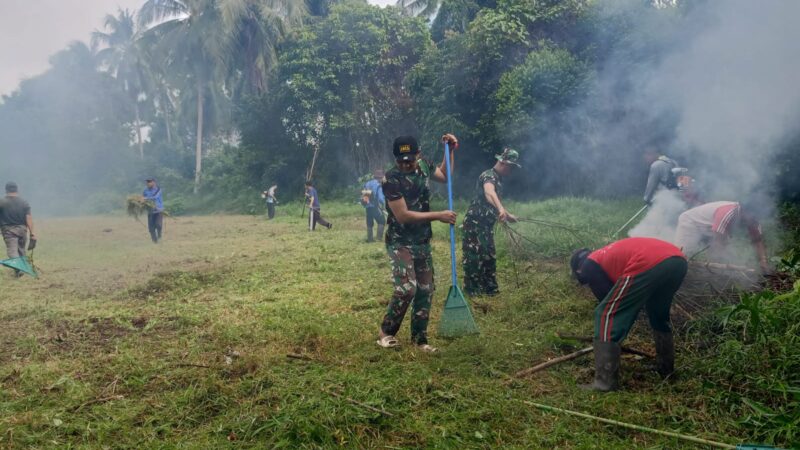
[[254, 28], [424, 8], [190, 42], [214, 45], [122, 56]]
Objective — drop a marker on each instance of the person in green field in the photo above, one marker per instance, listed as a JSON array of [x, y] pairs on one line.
[[16, 223], [408, 238], [479, 257], [373, 202]]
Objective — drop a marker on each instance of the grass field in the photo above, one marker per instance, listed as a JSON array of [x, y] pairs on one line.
[[125, 344]]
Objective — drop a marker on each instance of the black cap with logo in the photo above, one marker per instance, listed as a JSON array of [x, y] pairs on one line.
[[405, 148]]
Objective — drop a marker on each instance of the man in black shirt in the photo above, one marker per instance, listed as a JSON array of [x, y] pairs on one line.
[[15, 222]]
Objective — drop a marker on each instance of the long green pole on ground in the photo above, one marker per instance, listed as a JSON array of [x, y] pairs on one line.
[[632, 426], [638, 213]]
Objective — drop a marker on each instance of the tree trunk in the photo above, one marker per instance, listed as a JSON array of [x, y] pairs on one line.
[[198, 167], [167, 125], [138, 129], [310, 173]]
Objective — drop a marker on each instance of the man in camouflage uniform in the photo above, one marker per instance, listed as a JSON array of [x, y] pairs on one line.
[[480, 263], [407, 191]]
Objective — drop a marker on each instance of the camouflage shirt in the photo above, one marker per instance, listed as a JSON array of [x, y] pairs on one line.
[[480, 211], [415, 189]]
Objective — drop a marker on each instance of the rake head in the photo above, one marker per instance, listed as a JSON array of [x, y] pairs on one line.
[[457, 317]]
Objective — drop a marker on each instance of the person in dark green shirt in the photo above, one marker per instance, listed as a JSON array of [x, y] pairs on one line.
[[480, 260], [407, 190]]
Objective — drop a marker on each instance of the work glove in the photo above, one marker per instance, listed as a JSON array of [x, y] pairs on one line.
[[31, 244]]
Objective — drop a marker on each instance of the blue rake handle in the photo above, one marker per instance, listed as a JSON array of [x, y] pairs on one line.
[[450, 207]]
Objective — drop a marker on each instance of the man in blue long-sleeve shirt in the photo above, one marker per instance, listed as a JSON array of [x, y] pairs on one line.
[[155, 217], [372, 200], [314, 216]]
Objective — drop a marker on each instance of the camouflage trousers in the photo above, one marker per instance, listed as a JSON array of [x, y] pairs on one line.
[[480, 259], [412, 273]]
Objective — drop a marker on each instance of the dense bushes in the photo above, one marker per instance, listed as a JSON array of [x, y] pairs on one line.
[[753, 364]]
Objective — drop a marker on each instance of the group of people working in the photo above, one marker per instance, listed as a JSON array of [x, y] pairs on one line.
[[311, 201], [407, 191], [625, 276], [641, 272]]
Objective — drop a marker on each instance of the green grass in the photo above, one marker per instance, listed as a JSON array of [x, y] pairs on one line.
[[124, 344]]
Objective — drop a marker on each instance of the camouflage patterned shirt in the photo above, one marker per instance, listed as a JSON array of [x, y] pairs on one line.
[[480, 211], [415, 189]]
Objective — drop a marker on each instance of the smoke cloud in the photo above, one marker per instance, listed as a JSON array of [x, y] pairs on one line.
[[662, 217], [721, 97], [734, 90]]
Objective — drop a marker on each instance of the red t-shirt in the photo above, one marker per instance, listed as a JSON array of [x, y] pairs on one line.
[[632, 256]]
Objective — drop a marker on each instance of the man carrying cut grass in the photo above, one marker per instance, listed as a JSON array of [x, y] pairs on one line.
[[480, 259], [407, 191], [155, 216]]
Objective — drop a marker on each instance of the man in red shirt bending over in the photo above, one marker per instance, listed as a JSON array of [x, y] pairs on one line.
[[626, 276]]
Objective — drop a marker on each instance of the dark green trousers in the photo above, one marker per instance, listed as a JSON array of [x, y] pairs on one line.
[[653, 289]]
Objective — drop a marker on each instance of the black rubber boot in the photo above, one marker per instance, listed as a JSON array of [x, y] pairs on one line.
[[606, 366], [369, 235], [665, 353]]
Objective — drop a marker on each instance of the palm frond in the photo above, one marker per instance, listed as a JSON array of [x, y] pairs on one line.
[[160, 10], [419, 8]]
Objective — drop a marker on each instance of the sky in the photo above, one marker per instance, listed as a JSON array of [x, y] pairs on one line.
[[33, 30]]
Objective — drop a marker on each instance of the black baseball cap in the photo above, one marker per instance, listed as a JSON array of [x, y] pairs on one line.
[[576, 261], [11, 187], [405, 148], [150, 179]]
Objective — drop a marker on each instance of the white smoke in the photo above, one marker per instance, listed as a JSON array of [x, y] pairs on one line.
[[662, 217], [731, 83], [734, 88]]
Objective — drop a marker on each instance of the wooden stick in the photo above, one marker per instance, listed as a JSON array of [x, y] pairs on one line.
[[632, 351], [357, 403], [683, 311], [711, 265], [552, 362], [298, 356], [98, 400]]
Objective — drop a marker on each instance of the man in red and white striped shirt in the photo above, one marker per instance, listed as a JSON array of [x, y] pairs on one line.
[[712, 224], [626, 276]]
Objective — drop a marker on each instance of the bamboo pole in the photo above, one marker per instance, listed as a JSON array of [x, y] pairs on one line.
[[638, 213], [631, 426], [552, 362], [625, 349]]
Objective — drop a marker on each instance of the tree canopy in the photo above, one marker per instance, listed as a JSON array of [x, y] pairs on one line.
[[220, 97]]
